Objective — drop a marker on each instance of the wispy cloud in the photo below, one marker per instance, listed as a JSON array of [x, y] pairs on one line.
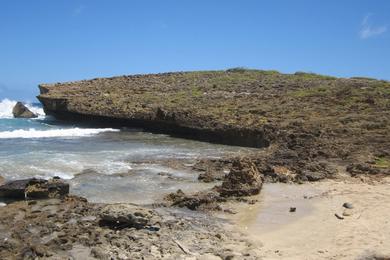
[[78, 10], [369, 30]]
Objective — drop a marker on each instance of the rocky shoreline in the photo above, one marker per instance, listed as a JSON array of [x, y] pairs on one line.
[[310, 125], [309, 128], [73, 228], [41, 220]]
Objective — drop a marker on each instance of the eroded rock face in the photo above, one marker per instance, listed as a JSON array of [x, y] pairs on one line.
[[244, 179], [297, 139], [21, 111], [118, 216], [34, 189], [212, 169], [206, 200]]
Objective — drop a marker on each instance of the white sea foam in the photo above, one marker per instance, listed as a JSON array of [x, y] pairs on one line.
[[36, 110], [72, 132], [6, 106]]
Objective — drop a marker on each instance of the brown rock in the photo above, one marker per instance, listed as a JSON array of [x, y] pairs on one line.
[[21, 111], [212, 169], [14, 189], [34, 188], [207, 200], [244, 179], [118, 216], [54, 188]]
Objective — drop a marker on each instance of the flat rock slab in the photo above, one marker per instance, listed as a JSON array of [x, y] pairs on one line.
[[34, 189], [14, 189], [120, 216]]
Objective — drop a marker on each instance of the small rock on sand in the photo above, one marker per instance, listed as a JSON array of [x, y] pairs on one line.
[[348, 205], [347, 212]]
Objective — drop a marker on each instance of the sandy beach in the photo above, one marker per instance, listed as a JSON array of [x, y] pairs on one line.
[[313, 231]]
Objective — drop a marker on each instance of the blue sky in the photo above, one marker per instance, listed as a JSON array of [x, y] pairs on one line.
[[64, 40]]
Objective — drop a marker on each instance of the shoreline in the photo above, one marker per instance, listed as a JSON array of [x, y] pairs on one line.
[[327, 134], [240, 229]]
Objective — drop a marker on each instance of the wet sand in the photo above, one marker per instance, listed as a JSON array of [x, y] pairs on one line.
[[313, 231]]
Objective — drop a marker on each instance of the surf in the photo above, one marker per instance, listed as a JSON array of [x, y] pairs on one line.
[[72, 132], [6, 106]]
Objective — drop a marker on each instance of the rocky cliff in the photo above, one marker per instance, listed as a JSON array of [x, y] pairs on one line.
[[306, 116]]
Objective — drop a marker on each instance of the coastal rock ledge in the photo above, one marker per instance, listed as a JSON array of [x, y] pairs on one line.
[[309, 123]]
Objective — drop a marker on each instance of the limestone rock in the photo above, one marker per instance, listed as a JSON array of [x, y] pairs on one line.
[[21, 111], [119, 216], [54, 188], [34, 189], [205, 200], [244, 179], [14, 189]]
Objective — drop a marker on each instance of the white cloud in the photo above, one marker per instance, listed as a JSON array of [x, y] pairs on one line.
[[369, 30]]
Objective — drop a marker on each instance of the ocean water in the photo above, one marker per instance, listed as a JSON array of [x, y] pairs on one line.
[[101, 164]]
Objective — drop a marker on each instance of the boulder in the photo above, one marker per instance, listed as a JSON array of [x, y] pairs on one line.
[[244, 179], [14, 189], [2, 180], [42, 189], [212, 169], [34, 189], [118, 216], [204, 200], [21, 111]]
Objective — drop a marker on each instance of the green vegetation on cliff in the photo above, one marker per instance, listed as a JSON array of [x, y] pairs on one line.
[[238, 97]]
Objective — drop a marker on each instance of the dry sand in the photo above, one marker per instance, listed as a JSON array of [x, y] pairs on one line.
[[313, 231]]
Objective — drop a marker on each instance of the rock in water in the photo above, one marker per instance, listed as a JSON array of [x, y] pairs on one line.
[[21, 111], [244, 179], [34, 189], [41, 189], [14, 189]]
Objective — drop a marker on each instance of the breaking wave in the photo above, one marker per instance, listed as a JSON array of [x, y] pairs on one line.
[[72, 132], [6, 106]]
